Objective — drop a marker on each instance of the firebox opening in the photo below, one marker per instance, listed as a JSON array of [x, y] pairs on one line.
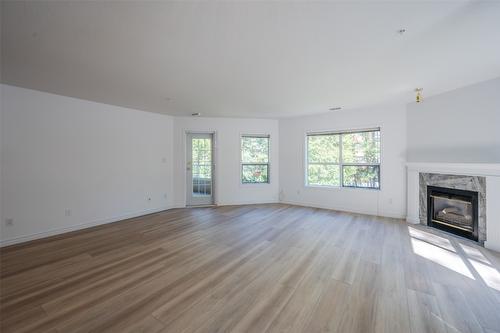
[[453, 210]]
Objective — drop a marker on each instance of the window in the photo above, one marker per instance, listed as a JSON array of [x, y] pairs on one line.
[[348, 159], [254, 159]]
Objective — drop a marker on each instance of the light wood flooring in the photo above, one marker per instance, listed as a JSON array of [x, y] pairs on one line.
[[256, 268]]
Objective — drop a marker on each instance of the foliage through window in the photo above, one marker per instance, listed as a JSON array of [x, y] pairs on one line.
[[202, 166], [348, 159], [254, 159]]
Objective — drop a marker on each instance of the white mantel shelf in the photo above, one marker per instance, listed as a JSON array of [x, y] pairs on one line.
[[489, 170], [474, 169]]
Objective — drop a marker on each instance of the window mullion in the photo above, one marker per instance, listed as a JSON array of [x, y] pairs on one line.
[[360, 164], [341, 162], [323, 163], [254, 163]]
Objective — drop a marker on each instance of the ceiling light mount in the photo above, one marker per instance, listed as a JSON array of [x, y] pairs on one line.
[[418, 97], [336, 108]]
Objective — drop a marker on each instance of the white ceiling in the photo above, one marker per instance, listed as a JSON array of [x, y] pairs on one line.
[[248, 59]]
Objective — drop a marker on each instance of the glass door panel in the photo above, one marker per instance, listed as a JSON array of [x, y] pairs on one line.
[[200, 169]]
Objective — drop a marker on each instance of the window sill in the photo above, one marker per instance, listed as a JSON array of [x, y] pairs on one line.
[[329, 187]]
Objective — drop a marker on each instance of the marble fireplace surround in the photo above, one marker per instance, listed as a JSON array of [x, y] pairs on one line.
[[489, 171], [459, 182]]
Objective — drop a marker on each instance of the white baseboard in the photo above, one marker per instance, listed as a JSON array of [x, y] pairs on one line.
[[80, 226], [344, 209], [232, 203], [492, 246], [249, 202], [393, 215]]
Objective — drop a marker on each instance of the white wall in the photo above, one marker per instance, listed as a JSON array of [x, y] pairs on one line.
[[2, 224], [99, 161], [228, 187], [493, 213], [459, 126], [390, 200]]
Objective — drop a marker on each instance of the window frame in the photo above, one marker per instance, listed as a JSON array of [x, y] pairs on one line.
[[341, 163], [268, 164]]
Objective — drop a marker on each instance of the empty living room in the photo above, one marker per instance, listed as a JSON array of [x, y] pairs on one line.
[[250, 166]]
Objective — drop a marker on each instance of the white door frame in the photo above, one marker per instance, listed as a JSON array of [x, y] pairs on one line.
[[188, 180]]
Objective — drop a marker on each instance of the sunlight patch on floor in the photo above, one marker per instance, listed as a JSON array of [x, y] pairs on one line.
[[431, 238], [475, 254], [440, 256], [483, 266], [489, 274]]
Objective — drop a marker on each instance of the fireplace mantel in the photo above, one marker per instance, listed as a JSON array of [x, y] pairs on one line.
[[468, 169], [489, 170]]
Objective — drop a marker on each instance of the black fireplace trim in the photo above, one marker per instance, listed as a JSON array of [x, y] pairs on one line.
[[451, 191]]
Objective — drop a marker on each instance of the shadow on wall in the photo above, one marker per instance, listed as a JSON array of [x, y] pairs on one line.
[[457, 154]]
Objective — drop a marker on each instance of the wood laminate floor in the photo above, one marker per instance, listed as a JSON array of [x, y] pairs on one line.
[[258, 268]]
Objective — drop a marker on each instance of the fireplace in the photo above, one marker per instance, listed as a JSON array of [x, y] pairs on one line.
[[453, 210]]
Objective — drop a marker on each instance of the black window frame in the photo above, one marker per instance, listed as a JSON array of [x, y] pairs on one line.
[[268, 164], [341, 163]]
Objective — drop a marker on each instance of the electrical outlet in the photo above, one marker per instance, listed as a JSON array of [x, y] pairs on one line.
[[9, 222], [149, 199]]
